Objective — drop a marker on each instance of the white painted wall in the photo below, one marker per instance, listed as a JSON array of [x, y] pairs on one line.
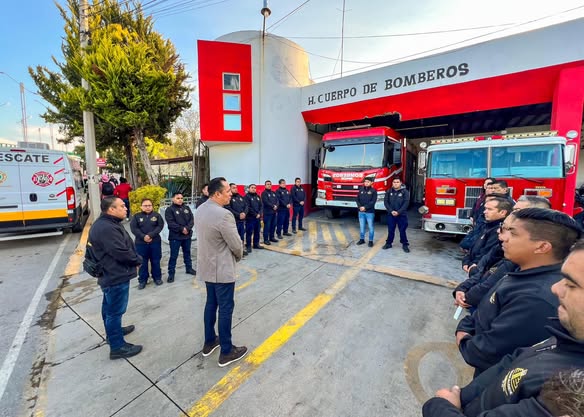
[[280, 138]]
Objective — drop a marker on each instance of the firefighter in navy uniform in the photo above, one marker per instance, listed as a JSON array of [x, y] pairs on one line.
[[511, 387], [366, 200], [252, 222], [298, 200], [269, 207], [180, 221], [284, 205], [146, 227], [238, 206], [397, 200]]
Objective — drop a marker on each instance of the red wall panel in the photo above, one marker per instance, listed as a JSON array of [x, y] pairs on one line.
[[214, 59]]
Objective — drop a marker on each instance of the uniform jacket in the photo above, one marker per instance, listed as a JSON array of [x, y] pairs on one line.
[[143, 224], [254, 204], [178, 217], [529, 407], [367, 198], [476, 287], [114, 249], [269, 200], [298, 195], [284, 198], [201, 200], [219, 244], [483, 245], [520, 376], [237, 206], [511, 315], [397, 200]]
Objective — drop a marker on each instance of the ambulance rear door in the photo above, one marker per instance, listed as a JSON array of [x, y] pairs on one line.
[[44, 189]]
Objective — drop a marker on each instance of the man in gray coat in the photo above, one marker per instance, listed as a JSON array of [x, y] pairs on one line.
[[219, 248]]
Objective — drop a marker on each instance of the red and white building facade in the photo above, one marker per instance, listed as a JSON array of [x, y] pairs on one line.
[[258, 104]]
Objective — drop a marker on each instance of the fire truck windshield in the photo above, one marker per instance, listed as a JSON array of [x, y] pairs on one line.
[[526, 161], [369, 155], [539, 161], [458, 163]]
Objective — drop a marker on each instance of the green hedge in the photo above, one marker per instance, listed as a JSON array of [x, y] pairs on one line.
[[153, 192]]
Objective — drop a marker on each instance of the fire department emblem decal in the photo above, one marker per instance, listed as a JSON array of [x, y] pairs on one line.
[[3, 177], [512, 380], [42, 179]]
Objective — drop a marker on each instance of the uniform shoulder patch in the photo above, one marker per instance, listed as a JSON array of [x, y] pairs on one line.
[[512, 380]]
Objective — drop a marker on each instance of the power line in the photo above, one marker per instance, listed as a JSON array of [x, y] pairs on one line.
[[396, 35], [452, 44], [288, 15]]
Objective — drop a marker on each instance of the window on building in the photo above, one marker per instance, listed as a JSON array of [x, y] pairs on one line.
[[232, 122], [232, 102], [231, 82]]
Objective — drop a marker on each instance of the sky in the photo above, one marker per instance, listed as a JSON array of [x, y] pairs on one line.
[[375, 33]]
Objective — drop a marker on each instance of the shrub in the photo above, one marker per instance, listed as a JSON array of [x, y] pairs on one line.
[[177, 185], [153, 192]]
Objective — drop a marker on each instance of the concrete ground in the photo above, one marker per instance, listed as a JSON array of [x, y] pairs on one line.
[[333, 329]]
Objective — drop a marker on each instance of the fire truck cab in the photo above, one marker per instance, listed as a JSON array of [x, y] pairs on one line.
[[455, 169], [350, 155]]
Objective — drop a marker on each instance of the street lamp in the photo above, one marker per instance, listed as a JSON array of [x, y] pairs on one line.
[[22, 106], [266, 12]]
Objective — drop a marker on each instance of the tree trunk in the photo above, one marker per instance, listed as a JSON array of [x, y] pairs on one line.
[[139, 136], [132, 168]]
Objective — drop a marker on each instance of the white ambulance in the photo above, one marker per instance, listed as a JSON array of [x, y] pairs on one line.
[[40, 189]]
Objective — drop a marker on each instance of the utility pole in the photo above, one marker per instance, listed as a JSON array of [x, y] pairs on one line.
[[52, 139], [23, 110], [342, 38], [88, 126]]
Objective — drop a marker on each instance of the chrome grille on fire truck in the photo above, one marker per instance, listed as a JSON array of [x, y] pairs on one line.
[[345, 192], [471, 196]]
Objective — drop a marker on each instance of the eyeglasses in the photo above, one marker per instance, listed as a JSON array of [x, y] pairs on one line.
[[146, 205]]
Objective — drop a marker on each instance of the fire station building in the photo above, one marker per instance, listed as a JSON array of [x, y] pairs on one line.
[[263, 117]]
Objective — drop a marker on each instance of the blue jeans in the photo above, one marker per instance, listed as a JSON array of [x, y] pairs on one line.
[[402, 224], [298, 211], [366, 217], [269, 225], [283, 221], [113, 307], [219, 296], [150, 252], [252, 227], [175, 245]]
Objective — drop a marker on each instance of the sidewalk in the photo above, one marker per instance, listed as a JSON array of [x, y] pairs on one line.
[[337, 329]]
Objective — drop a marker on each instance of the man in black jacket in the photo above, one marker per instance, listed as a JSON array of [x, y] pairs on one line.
[[511, 387], [114, 249], [146, 227], [396, 201], [284, 205], [513, 313], [298, 199], [496, 209], [238, 206], [180, 221], [491, 268], [269, 207], [366, 200], [252, 223]]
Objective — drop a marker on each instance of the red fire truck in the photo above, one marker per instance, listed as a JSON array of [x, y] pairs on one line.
[[455, 169], [348, 156]]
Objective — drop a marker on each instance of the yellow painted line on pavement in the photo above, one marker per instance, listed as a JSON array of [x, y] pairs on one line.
[[254, 278], [340, 235], [312, 236], [223, 389], [328, 238]]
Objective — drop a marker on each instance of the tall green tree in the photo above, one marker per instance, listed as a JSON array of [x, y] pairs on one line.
[[137, 82]]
